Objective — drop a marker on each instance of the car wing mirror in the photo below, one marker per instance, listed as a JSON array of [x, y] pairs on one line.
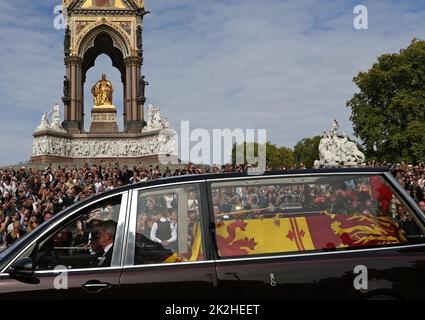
[[23, 270]]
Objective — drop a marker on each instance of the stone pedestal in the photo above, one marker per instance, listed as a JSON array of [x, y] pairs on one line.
[[53, 146], [104, 119]]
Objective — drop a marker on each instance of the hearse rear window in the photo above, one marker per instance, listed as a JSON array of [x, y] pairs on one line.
[[271, 216]]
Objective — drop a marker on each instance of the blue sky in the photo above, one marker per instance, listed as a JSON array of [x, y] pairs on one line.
[[286, 66]]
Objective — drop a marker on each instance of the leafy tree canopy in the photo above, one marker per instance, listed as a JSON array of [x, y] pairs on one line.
[[306, 151], [276, 157], [388, 113]]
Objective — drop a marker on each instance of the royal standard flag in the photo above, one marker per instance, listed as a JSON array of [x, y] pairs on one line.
[[297, 234]]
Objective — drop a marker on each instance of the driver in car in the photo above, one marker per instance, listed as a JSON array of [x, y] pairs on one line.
[[105, 239]]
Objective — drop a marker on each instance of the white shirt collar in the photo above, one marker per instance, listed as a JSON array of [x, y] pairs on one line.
[[107, 248]]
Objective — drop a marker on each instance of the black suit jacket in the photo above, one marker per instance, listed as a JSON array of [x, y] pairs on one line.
[[105, 260]]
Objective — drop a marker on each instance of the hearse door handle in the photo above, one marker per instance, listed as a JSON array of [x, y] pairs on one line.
[[96, 286]]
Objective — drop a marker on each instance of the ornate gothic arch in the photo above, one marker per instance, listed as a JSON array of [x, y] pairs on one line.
[[116, 32], [86, 40]]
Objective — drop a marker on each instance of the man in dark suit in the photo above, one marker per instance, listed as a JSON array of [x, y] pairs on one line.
[[106, 237]]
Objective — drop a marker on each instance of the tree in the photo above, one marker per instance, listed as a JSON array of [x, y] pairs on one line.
[[306, 151], [276, 157], [390, 106], [416, 135]]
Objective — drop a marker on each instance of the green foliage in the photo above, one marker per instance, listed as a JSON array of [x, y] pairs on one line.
[[306, 151], [388, 113], [416, 135], [276, 157]]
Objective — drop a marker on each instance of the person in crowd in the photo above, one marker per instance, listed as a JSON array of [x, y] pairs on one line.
[[143, 225], [421, 205], [164, 231], [406, 223], [15, 233], [47, 216], [33, 224]]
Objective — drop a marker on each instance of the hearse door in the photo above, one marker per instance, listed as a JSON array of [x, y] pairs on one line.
[[70, 258], [286, 265], [166, 255]]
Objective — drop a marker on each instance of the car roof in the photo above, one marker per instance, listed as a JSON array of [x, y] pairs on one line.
[[214, 176]]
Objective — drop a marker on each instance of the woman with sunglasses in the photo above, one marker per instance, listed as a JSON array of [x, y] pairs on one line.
[[33, 223]]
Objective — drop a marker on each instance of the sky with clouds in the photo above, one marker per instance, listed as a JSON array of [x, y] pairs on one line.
[[283, 65]]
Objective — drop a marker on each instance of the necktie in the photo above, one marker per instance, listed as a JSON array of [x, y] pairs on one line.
[[102, 258]]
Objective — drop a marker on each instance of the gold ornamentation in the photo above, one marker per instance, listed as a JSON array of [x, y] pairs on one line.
[[125, 25], [140, 3], [80, 25], [66, 2], [102, 92], [103, 22]]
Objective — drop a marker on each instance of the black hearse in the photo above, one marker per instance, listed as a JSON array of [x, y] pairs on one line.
[[305, 234]]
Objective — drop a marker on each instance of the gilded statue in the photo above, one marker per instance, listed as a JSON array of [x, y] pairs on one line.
[[102, 92]]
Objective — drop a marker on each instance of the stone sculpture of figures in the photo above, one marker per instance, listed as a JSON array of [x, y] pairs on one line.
[[102, 92], [169, 146], [35, 148], [337, 150], [156, 120], [56, 118], [98, 148], [67, 42], [334, 129], [44, 124]]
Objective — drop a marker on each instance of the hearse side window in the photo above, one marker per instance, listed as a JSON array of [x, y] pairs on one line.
[[272, 216], [86, 242], [168, 226]]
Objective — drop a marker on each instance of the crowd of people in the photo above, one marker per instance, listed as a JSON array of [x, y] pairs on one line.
[[30, 196]]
